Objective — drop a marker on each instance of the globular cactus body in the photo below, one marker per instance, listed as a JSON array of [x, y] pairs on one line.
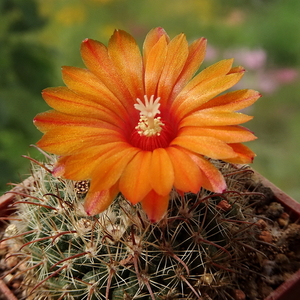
[[194, 252]]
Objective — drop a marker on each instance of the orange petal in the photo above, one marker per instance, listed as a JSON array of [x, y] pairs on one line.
[[216, 70], [134, 182], [77, 173], [233, 101], [161, 172], [213, 179], [219, 68], [186, 103], [244, 154], [154, 65], [60, 166], [85, 83], [70, 140], [66, 101], [97, 60], [125, 54], [214, 117], [228, 134], [177, 55], [193, 62], [237, 69], [53, 119], [93, 158], [151, 39], [187, 175], [155, 206], [97, 201], [111, 166], [205, 145]]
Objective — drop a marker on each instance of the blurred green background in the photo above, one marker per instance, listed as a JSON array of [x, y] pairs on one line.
[[37, 37]]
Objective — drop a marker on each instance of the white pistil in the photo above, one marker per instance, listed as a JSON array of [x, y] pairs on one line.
[[148, 124]]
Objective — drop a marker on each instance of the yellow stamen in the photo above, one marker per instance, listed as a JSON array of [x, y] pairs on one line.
[[148, 124]]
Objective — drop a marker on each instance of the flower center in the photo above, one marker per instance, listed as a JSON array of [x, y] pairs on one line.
[[148, 124]]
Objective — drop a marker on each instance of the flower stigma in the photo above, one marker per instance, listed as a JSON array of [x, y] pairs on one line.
[[148, 124]]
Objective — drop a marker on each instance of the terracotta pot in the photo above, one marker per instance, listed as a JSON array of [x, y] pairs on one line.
[[6, 291], [9, 197], [5, 210], [289, 290]]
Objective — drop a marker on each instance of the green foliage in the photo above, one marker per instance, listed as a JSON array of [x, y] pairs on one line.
[[37, 37], [24, 71], [280, 32]]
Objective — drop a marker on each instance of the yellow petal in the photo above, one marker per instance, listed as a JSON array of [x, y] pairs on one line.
[[228, 134], [161, 172], [97, 201], [134, 182], [155, 206], [205, 145], [125, 54], [187, 175]]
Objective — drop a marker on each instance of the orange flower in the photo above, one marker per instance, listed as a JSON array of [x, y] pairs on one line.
[[142, 125]]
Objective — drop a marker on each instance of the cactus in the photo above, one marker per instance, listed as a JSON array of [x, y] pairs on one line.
[[195, 252]]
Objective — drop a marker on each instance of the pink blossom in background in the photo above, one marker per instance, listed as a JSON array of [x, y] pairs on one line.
[[265, 79], [252, 59], [212, 53], [286, 75]]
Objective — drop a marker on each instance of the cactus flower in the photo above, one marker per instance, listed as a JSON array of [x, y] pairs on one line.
[[141, 124]]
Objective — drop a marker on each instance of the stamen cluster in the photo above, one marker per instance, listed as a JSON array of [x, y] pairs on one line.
[[148, 125]]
